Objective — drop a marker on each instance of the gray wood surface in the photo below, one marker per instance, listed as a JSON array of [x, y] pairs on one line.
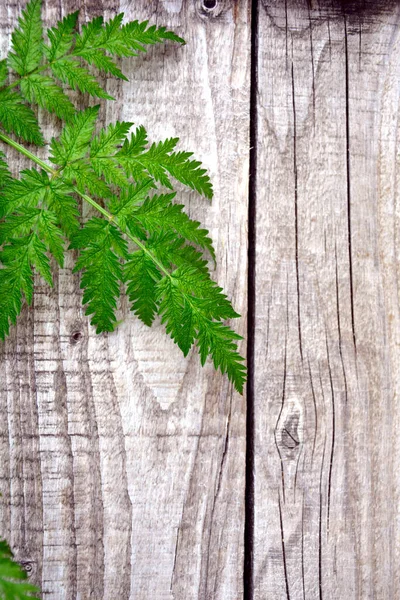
[[122, 463], [327, 308]]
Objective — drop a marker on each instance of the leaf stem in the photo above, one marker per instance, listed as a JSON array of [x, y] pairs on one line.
[[134, 239], [85, 197], [38, 69], [26, 153]]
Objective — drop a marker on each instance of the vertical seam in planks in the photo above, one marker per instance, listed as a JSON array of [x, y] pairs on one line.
[[248, 575]]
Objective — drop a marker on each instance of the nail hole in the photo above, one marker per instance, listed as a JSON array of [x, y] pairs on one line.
[[27, 566], [76, 337]]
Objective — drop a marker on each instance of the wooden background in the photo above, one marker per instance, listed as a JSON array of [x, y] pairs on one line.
[[127, 471]]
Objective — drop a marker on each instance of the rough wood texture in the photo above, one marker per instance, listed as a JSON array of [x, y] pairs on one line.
[[327, 307], [122, 463]]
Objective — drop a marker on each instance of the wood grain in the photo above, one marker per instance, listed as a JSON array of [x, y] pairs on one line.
[[122, 463], [326, 409]]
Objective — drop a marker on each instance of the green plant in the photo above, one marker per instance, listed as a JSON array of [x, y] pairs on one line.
[[13, 579], [140, 239]]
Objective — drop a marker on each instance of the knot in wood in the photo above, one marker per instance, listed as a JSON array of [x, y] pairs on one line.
[[288, 434]]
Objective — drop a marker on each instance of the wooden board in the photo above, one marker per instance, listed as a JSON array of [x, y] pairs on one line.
[[122, 463], [326, 405]]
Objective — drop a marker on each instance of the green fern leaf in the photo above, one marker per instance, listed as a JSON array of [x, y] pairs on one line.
[[13, 579], [18, 224], [204, 293], [176, 313], [164, 271], [133, 147], [189, 172], [172, 251], [220, 342], [75, 138], [122, 207], [82, 174], [100, 244], [142, 276], [51, 235], [103, 146], [93, 42], [63, 205], [103, 62], [160, 161], [39, 259], [121, 40], [26, 192], [151, 161], [3, 71], [16, 117], [188, 304], [16, 278], [68, 70], [26, 41], [158, 212], [4, 172], [137, 35], [108, 140], [61, 37], [89, 37], [47, 94]]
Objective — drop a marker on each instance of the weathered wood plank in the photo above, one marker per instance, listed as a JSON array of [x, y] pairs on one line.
[[122, 463], [327, 307]]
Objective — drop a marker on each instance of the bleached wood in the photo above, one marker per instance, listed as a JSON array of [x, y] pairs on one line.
[[121, 462], [327, 307]]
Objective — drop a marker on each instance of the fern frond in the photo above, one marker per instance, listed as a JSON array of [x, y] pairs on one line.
[[130, 197], [4, 172], [13, 579], [100, 244], [42, 90], [220, 342], [158, 212], [176, 313], [51, 235], [75, 138], [109, 139], [16, 117], [64, 205], [120, 40], [16, 277], [61, 37], [160, 161], [172, 251], [26, 41], [25, 192], [81, 174], [141, 276], [138, 35], [204, 293], [3, 71], [68, 70], [143, 240], [188, 304]]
